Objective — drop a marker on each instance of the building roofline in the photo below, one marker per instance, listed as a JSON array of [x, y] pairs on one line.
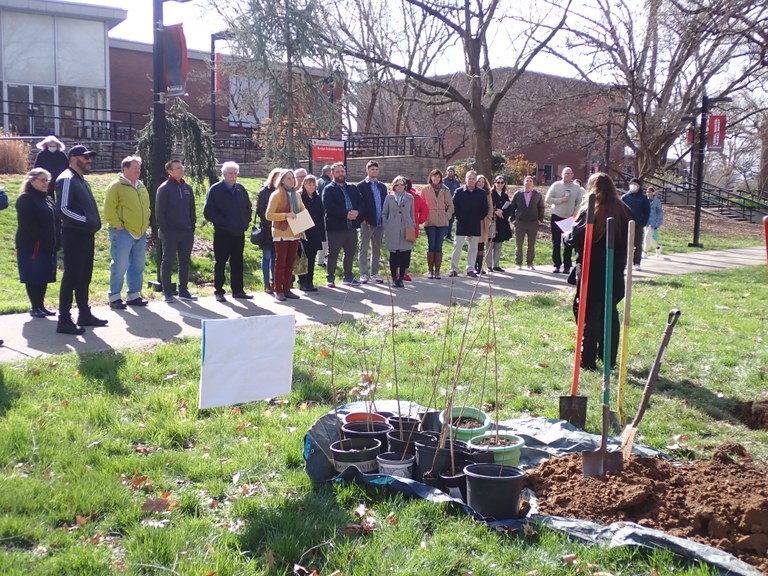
[[111, 16]]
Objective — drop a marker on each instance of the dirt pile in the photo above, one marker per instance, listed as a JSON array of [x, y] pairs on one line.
[[722, 502]]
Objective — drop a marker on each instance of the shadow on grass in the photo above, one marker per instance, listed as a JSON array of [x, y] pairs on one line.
[[103, 368], [698, 397], [6, 395]]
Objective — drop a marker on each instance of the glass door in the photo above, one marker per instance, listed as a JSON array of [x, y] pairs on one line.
[[18, 108], [44, 110]]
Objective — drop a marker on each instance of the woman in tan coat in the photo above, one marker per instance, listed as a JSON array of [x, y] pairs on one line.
[[284, 203], [438, 198]]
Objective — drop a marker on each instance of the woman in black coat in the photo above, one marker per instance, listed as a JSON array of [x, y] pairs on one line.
[[502, 210], [607, 204], [315, 236], [37, 239], [52, 158]]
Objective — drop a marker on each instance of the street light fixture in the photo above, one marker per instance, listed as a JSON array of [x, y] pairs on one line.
[[702, 145], [215, 36]]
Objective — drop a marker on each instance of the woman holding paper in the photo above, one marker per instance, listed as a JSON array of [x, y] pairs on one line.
[[284, 204]]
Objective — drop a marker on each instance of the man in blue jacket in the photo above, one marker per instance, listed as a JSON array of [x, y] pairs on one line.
[[470, 206], [343, 214], [373, 194], [228, 208], [80, 221], [640, 208]]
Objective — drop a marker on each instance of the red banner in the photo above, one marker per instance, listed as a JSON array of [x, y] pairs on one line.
[[716, 133], [175, 60]]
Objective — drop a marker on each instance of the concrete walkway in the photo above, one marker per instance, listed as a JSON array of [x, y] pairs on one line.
[[26, 337]]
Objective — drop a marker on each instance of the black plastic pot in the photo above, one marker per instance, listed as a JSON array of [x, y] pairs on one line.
[[456, 478], [431, 458], [368, 429], [405, 443], [493, 490], [430, 420], [404, 423], [359, 452]]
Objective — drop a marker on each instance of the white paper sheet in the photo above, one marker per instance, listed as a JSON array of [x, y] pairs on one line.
[[303, 221], [566, 224], [246, 359]]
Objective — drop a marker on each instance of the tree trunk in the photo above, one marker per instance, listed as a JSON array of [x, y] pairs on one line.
[[762, 179], [483, 147]]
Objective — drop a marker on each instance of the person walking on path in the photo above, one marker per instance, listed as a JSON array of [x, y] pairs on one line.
[[315, 236], [373, 194], [470, 207], [284, 204], [607, 205], [399, 216], [53, 159], [126, 210], [655, 220], [37, 239], [564, 201], [640, 208], [176, 217], [228, 207], [437, 196], [80, 220], [343, 215], [527, 213]]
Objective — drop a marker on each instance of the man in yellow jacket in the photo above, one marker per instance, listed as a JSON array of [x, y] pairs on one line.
[[126, 210]]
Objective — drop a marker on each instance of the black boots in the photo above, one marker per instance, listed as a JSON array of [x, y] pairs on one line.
[[66, 326], [87, 319]]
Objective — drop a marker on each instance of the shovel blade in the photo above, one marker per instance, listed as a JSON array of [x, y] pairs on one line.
[[573, 409], [600, 462]]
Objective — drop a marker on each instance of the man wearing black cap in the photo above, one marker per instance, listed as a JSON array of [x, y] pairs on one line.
[[640, 207], [80, 221]]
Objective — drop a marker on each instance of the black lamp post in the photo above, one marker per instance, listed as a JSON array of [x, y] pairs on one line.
[[215, 36], [702, 146]]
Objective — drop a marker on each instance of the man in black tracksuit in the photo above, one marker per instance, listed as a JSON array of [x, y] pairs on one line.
[[640, 207], [228, 208], [80, 221]]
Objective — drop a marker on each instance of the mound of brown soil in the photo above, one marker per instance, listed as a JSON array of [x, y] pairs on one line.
[[721, 502]]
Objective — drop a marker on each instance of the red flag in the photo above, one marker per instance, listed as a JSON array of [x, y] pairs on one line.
[[716, 133], [175, 60]]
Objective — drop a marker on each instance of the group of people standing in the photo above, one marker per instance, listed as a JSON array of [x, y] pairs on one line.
[[60, 212]]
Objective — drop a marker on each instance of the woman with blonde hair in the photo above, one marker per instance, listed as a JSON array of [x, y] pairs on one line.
[[397, 217], [607, 205], [284, 203], [37, 239], [267, 246], [438, 198]]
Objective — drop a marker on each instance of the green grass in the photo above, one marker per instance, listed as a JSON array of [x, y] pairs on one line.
[[13, 297], [108, 467]]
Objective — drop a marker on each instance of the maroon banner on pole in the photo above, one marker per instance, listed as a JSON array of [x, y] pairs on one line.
[[175, 60], [716, 133]]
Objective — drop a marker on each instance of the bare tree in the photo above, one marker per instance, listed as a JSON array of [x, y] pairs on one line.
[[662, 56], [427, 28]]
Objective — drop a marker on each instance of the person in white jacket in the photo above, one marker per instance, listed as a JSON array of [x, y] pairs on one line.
[[656, 218], [563, 200]]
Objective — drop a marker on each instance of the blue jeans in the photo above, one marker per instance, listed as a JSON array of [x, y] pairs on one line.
[[435, 237], [129, 256], [268, 264]]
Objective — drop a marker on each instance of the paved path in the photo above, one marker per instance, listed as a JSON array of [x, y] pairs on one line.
[[26, 337]]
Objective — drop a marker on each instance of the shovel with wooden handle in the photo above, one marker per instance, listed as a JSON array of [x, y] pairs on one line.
[[628, 436], [624, 358], [601, 461], [573, 408]]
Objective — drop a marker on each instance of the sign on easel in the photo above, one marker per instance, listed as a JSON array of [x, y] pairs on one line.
[[246, 359]]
